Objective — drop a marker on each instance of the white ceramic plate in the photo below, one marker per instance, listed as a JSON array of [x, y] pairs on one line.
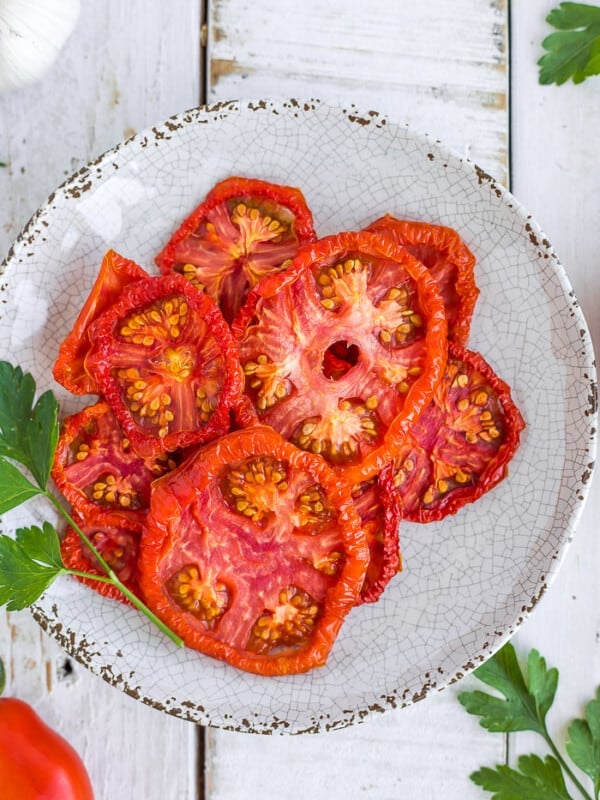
[[470, 580]]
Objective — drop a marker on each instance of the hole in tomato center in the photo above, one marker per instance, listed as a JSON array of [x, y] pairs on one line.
[[339, 358]]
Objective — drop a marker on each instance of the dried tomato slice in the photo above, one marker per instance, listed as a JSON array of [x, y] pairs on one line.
[[98, 471], [115, 273], [462, 443], [450, 262], [246, 228], [253, 553], [378, 506], [118, 544], [165, 361], [343, 351]]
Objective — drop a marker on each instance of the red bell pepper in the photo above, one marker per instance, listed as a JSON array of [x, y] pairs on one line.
[[35, 762]]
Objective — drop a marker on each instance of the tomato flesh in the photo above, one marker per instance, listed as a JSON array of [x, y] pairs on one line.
[[461, 445], [344, 349], [165, 362], [378, 506], [449, 261], [118, 545], [244, 230], [98, 471], [115, 273], [253, 553]]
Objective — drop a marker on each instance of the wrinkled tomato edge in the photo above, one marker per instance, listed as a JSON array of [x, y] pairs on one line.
[[70, 429], [135, 296], [116, 272], [73, 551], [239, 187], [497, 469], [168, 504], [392, 559], [448, 242], [420, 393]]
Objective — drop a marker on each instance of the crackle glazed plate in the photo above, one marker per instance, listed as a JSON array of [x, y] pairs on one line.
[[469, 581]]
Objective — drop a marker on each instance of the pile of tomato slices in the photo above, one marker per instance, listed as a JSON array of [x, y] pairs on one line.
[[271, 406]]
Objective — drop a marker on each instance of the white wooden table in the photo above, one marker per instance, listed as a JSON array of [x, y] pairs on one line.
[[444, 67]]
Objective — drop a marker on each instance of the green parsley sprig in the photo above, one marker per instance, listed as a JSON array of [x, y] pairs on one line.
[[31, 561], [574, 49], [524, 708]]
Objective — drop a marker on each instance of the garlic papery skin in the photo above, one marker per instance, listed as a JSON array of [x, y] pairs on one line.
[[32, 33]]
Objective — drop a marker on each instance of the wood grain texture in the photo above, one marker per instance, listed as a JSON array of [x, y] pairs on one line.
[[426, 751], [555, 156], [442, 67], [122, 742], [122, 70], [448, 78]]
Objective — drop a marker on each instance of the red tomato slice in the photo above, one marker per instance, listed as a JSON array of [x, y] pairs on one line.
[[115, 273], [245, 229], [462, 443], [343, 351], [378, 506], [450, 262], [118, 544], [165, 361], [253, 553], [98, 471]]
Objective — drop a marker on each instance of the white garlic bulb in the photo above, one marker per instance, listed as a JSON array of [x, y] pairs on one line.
[[32, 33]]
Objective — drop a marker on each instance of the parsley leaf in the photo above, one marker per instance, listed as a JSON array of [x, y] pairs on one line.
[[524, 709], [28, 565], [28, 432], [2, 676], [29, 436], [14, 487], [574, 50], [534, 779], [41, 544], [42, 437], [584, 744]]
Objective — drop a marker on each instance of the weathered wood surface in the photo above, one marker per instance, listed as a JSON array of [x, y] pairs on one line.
[[442, 67], [450, 80], [554, 155], [122, 70]]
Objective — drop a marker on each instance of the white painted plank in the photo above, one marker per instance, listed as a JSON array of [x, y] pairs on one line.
[[555, 154], [122, 742], [386, 56], [426, 751], [440, 66], [122, 70]]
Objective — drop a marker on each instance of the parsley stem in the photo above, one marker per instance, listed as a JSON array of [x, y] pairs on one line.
[[89, 575], [112, 578], [564, 764]]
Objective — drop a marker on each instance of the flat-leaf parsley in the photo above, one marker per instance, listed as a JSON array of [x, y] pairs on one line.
[[574, 50], [527, 700], [31, 561]]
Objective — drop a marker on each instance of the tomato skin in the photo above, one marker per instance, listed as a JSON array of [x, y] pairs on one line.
[[231, 297], [379, 508], [104, 455], [115, 273], [109, 352], [484, 462], [179, 491], [281, 292], [35, 762], [451, 262], [123, 533]]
